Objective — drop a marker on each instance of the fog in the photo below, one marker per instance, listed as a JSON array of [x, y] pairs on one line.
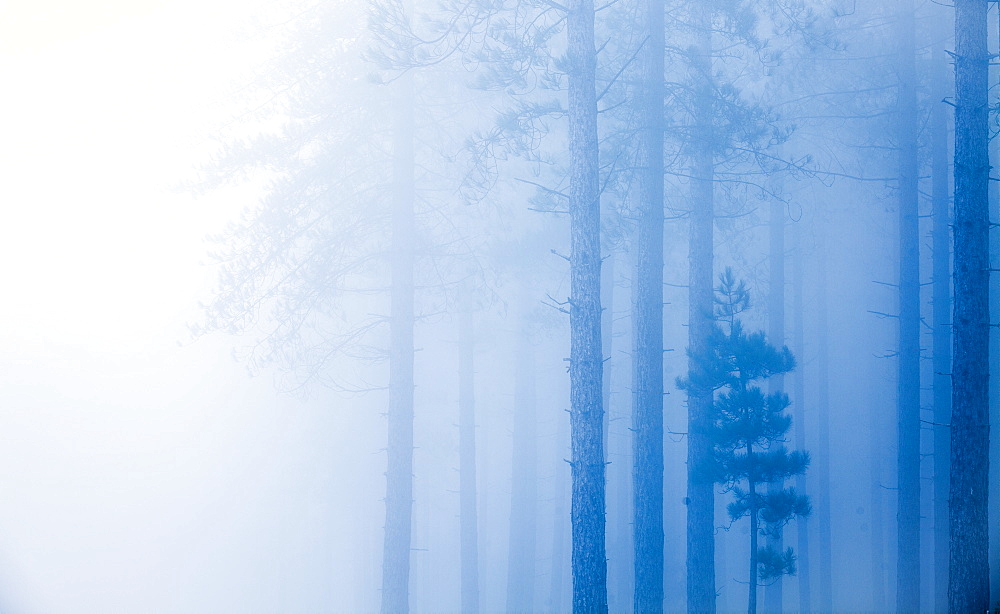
[[383, 305]]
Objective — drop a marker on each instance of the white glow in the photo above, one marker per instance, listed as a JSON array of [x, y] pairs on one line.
[[136, 474]]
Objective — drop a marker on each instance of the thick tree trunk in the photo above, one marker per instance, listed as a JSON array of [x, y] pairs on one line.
[[908, 382], [468, 517], [941, 240], [799, 413], [994, 380], [968, 587], [647, 356], [776, 383], [700, 489], [523, 490], [399, 472], [586, 359]]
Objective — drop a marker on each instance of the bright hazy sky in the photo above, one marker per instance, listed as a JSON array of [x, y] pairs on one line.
[[107, 105], [136, 474]]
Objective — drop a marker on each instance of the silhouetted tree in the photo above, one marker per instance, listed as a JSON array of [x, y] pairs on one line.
[[968, 586], [747, 428]]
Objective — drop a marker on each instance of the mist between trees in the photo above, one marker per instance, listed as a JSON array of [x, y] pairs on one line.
[[659, 306]]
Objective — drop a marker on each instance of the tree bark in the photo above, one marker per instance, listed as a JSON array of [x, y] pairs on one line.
[[994, 379], [647, 356], [399, 472], [968, 587], [586, 359]]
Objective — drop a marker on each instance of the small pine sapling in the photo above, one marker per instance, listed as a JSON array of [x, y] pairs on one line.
[[748, 430]]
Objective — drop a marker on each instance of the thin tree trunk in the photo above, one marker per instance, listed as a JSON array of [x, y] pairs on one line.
[[619, 536], [908, 379], [607, 336], [700, 489], [908, 382], [821, 464], [524, 495], [752, 493], [647, 399], [799, 413], [615, 546], [586, 359], [968, 587], [399, 472], [467, 464], [776, 383], [877, 513], [557, 559], [941, 238]]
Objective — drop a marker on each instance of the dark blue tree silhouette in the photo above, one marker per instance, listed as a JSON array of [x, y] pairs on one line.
[[747, 428]]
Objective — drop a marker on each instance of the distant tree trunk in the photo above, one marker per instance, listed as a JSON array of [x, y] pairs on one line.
[[941, 239], [619, 523], [523, 490], [399, 472], [723, 553], [821, 462], [876, 444], [555, 601], [968, 588], [467, 463], [620, 442], [776, 383], [908, 382], [752, 490], [700, 489], [607, 336], [586, 359], [799, 413], [647, 356]]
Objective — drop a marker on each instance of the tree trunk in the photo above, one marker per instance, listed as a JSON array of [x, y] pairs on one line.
[[994, 380], [968, 587], [586, 359], [700, 489], [752, 493], [607, 339], [399, 472], [776, 383], [908, 382], [799, 413], [941, 239], [647, 399], [557, 559], [617, 449], [821, 464], [467, 464], [523, 490]]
